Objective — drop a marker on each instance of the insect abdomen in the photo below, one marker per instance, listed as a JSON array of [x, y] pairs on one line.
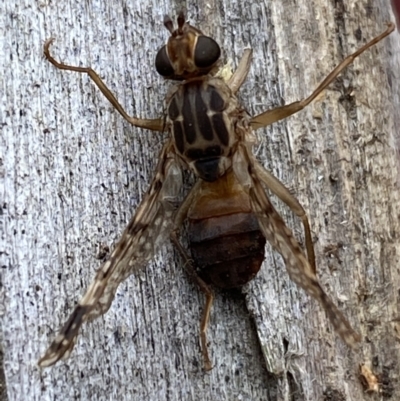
[[228, 249], [226, 243]]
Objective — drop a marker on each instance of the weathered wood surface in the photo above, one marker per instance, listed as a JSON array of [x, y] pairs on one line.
[[73, 173]]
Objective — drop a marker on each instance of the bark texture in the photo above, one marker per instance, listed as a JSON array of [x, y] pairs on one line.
[[72, 173]]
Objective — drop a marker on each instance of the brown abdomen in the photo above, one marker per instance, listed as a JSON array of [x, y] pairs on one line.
[[226, 243]]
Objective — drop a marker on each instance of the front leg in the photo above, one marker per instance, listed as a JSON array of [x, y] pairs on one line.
[[239, 76], [151, 124]]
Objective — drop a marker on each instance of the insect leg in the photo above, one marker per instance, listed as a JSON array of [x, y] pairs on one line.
[[238, 77], [191, 271], [285, 196], [151, 124], [279, 113]]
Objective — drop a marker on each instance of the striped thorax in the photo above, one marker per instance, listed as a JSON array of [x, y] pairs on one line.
[[201, 115]]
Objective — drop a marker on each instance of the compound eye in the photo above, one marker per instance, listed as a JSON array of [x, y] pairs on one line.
[[163, 63], [207, 52]]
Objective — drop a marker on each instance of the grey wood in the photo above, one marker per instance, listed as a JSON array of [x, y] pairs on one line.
[[73, 173]]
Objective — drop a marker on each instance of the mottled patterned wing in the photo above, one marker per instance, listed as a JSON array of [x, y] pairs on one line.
[[282, 239], [300, 271], [147, 229]]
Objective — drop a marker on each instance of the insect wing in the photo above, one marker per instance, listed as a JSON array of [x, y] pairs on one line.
[[282, 239], [145, 232], [297, 265]]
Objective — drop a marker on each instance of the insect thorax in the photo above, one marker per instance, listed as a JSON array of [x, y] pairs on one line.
[[201, 116]]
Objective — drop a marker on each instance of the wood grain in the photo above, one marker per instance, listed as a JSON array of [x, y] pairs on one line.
[[73, 173]]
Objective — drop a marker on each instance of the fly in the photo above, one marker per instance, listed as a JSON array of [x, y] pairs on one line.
[[228, 211]]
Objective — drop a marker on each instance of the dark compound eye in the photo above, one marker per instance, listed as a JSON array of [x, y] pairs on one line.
[[207, 52], [163, 64]]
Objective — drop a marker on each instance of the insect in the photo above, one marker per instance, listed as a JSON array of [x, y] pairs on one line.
[[228, 212]]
